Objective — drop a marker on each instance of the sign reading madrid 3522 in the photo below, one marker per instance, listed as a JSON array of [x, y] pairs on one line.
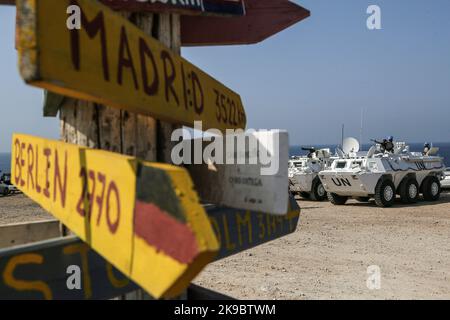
[[110, 61]]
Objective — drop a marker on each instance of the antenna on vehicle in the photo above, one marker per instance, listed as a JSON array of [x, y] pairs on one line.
[[362, 126]]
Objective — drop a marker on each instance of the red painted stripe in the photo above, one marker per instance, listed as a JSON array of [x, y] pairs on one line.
[[166, 234]]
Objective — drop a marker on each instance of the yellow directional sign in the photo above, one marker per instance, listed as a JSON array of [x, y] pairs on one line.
[[109, 60], [144, 218]]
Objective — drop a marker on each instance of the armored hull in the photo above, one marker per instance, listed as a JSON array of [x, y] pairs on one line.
[[304, 174], [384, 175], [446, 182]]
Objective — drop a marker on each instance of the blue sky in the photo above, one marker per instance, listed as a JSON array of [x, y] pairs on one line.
[[309, 79]]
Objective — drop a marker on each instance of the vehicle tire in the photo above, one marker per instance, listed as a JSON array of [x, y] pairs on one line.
[[385, 193], [362, 199], [304, 195], [431, 188], [336, 199], [409, 190], [318, 192], [5, 192]]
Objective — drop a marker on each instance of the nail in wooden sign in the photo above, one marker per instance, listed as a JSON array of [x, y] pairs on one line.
[[111, 61], [252, 175], [39, 270], [143, 218]]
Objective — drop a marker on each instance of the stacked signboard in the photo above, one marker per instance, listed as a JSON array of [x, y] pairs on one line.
[[140, 224]]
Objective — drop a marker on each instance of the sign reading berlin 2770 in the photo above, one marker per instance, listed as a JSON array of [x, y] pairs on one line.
[[144, 218], [110, 61]]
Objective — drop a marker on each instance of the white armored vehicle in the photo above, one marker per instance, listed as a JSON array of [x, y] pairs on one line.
[[304, 171], [6, 187], [386, 170], [446, 182]]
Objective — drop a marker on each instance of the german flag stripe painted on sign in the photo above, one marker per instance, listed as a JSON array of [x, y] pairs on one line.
[[144, 218]]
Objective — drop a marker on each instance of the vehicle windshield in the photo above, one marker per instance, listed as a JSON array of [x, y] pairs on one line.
[[297, 164], [341, 164]]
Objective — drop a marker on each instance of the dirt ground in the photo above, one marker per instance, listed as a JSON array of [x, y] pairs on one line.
[[18, 208], [328, 256]]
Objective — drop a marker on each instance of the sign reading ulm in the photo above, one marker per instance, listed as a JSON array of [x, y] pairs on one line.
[[111, 61], [144, 218], [67, 268]]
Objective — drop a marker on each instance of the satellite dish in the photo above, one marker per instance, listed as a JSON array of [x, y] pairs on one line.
[[350, 145], [371, 152]]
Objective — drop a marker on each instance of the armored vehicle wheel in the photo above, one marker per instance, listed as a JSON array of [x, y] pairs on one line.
[[318, 192], [363, 199], [409, 190], [385, 193], [5, 192], [304, 195], [336, 199], [431, 189]]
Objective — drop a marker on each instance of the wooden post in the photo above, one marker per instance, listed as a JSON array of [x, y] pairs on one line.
[[102, 127], [169, 34]]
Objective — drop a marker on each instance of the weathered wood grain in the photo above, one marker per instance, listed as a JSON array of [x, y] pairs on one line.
[[135, 214]]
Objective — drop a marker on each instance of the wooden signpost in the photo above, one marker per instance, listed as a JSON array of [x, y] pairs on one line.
[[111, 61], [142, 217], [184, 7], [263, 19], [137, 220], [251, 23], [253, 176], [40, 270]]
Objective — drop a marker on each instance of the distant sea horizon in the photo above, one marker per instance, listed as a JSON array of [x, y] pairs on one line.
[[294, 150]]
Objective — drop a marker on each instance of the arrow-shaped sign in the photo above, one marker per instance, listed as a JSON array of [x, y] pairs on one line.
[[184, 7], [112, 62], [250, 173], [263, 19], [144, 218], [47, 262]]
